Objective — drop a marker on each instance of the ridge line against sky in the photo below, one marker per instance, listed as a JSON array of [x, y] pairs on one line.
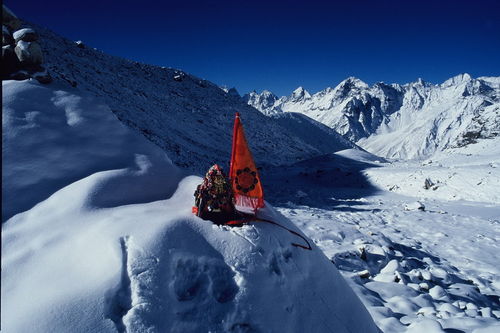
[[281, 45]]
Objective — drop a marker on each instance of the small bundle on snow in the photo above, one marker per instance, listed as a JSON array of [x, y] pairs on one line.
[[417, 205]]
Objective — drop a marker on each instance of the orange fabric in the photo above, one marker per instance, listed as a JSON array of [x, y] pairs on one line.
[[244, 176]]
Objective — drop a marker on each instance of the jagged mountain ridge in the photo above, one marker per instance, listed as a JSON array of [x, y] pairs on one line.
[[407, 121], [189, 118]]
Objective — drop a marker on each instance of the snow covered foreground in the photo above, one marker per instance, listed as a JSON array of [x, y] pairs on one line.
[[420, 260], [102, 238]]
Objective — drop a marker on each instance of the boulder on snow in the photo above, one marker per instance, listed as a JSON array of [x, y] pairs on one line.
[[429, 184], [437, 292], [9, 19], [417, 205], [365, 274], [80, 44], [10, 63], [26, 35], [29, 53]]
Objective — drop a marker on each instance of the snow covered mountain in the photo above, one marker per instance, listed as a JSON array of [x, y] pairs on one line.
[[158, 101], [399, 121], [98, 234]]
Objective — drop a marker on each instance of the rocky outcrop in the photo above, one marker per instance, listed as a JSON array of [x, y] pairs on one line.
[[29, 54], [26, 35], [10, 63], [22, 55]]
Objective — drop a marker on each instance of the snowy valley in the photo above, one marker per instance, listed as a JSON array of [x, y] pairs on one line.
[[396, 186]]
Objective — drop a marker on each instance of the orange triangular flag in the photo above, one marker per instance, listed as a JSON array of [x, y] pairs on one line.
[[244, 176]]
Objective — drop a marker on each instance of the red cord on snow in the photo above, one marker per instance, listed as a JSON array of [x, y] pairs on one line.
[[256, 219]]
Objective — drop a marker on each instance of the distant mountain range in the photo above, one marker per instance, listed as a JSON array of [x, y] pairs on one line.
[[407, 121], [191, 118]]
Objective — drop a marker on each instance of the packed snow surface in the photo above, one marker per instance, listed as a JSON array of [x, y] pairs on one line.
[[111, 244]]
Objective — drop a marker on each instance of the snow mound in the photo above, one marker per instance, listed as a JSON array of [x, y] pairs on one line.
[[155, 267], [52, 137], [111, 244]]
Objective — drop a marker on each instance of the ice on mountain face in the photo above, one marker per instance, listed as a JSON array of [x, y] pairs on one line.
[[231, 91], [299, 94], [263, 102], [408, 121]]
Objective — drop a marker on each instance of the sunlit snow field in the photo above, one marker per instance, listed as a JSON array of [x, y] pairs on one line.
[[433, 268]]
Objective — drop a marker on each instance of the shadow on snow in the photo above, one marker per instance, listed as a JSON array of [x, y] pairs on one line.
[[329, 182]]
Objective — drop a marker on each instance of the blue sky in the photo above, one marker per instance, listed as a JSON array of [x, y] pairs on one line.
[[280, 45]]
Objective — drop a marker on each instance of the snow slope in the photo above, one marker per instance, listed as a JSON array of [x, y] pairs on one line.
[[50, 140], [399, 121], [111, 244], [189, 117], [464, 174]]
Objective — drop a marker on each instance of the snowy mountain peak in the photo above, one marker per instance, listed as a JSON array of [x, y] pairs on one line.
[[455, 113], [231, 91], [352, 81], [456, 80], [349, 87], [300, 94], [263, 102], [269, 94]]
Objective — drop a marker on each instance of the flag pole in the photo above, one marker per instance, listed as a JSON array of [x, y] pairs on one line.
[[233, 149]]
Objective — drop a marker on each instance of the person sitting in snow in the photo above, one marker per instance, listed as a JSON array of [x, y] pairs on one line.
[[214, 199]]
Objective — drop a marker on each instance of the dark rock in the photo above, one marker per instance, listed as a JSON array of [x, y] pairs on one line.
[[43, 77], [179, 76], [20, 75], [10, 63], [29, 53], [364, 274], [428, 183]]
